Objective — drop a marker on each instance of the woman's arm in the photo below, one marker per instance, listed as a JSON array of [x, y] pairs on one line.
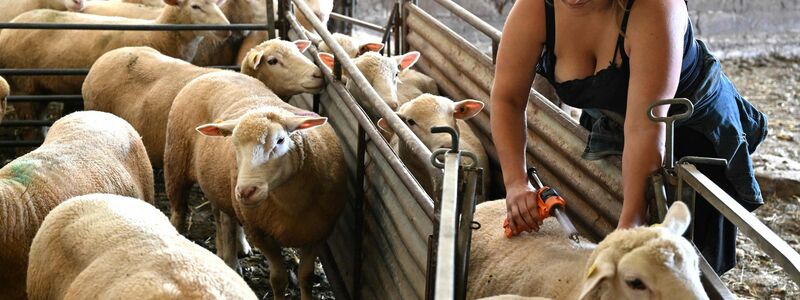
[[655, 38], [523, 36]]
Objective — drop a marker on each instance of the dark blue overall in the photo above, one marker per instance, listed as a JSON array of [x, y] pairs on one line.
[[723, 125]]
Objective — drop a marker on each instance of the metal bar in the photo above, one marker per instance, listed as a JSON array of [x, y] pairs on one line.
[[416, 191], [134, 27], [387, 30], [473, 20], [359, 210], [713, 285], [270, 20], [765, 238], [365, 24], [446, 250], [283, 26], [332, 271], [73, 71], [402, 131], [25, 123], [464, 235], [315, 106], [45, 98]]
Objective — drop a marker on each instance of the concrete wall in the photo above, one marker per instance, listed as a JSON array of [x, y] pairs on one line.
[[732, 28]]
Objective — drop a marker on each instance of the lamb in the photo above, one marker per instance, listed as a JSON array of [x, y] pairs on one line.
[[117, 247], [381, 73], [139, 84], [156, 3], [5, 91], [428, 111], [260, 177], [351, 45], [641, 263], [12, 8], [85, 152], [122, 9], [412, 84]]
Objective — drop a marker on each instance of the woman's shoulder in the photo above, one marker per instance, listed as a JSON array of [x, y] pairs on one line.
[[657, 17]]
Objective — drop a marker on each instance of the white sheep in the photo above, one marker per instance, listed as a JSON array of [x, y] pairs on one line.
[[428, 111], [412, 83], [281, 175], [139, 84], [116, 247], [80, 48], [640, 263], [156, 3], [9, 9], [5, 91], [351, 45], [381, 73], [122, 9], [85, 152], [322, 9]]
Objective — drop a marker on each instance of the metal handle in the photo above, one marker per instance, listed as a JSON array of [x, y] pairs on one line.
[[453, 136], [703, 160], [680, 116]]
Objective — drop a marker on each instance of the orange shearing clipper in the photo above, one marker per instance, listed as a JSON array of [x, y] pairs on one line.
[[549, 203]]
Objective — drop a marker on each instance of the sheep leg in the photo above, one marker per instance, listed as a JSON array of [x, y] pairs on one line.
[[278, 276], [227, 241], [305, 271], [178, 195], [243, 247]]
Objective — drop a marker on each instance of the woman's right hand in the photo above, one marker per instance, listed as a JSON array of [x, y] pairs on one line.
[[523, 213]]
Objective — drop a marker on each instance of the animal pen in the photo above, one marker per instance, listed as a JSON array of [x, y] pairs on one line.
[[394, 240]]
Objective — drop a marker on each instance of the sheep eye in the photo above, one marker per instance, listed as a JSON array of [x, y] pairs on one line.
[[195, 6], [280, 141], [636, 284], [272, 61], [411, 122]]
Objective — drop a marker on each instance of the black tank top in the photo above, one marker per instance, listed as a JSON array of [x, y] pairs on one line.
[[608, 88]]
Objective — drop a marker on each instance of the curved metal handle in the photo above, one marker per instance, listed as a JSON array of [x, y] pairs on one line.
[[453, 135], [435, 158], [680, 116]]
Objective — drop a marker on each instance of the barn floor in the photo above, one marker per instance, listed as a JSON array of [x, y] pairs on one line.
[[773, 86]]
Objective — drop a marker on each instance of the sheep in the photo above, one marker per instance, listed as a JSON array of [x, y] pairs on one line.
[[381, 73], [428, 111], [80, 48], [412, 83], [122, 9], [139, 84], [322, 9], [641, 263], [260, 177], [12, 8], [156, 3], [115, 247], [85, 152], [351, 45], [5, 91]]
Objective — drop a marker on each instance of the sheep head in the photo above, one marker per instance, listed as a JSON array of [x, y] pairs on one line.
[[200, 12], [428, 111], [282, 66], [351, 45], [646, 263], [380, 71], [269, 148]]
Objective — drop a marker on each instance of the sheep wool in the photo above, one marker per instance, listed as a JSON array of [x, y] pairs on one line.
[[85, 152], [114, 247]]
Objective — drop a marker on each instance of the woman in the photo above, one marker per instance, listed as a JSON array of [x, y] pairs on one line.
[[618, 56]]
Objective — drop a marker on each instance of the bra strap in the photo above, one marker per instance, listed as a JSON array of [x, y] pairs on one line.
[[620, 47], [550, 24]]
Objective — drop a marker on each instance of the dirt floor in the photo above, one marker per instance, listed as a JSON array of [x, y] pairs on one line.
[[773, 86]]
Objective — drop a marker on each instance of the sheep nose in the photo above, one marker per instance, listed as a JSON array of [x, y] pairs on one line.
[[247, 192]]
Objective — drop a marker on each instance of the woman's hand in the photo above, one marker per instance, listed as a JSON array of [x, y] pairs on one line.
[[523, 214]]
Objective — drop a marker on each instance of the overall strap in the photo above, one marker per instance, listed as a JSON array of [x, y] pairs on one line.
[[550, 26], [621, 38]]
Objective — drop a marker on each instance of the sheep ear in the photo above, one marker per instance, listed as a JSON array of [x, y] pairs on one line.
[[385, 129], [173, 2], [302, 45], [224, 128], [300, 123], [374, 47], [254, 59], [599, 271], [407, 60], [678, 218], [467, 109], [327, 59], [221, 2]]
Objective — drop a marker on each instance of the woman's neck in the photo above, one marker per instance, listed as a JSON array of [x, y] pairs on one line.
[[583, 7]]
